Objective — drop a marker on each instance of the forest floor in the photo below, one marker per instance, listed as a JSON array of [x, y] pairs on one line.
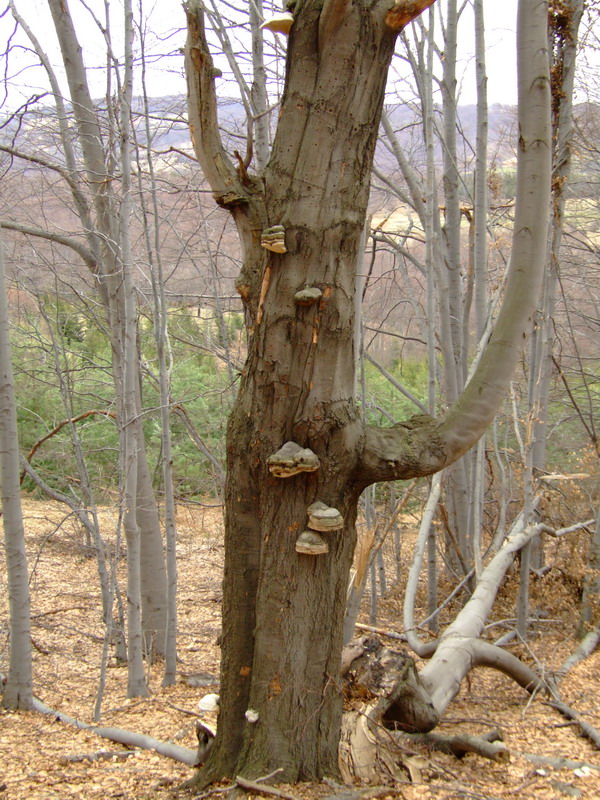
[[39, 755]]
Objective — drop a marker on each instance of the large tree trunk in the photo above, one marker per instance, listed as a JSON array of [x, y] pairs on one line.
[[297, 386], [283, 610]]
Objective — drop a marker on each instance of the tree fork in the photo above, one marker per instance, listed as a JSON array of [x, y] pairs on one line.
[[283, 611]]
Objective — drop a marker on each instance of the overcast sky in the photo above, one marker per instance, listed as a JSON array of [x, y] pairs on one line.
[[166, 36]]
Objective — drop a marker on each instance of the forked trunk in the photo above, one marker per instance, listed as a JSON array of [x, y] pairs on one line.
[[283, 609], [295, 436]]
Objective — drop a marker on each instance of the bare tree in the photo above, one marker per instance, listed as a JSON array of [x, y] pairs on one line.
[[18, 692], [299, 454], [100, 200]]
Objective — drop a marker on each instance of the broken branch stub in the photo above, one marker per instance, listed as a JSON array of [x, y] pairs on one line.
[[292, 459], [323, 518], [403, 702]]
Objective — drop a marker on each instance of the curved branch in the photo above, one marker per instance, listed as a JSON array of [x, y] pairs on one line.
[[216, 165], [60, 426], [486, 654], [82, 251], [425, 446]]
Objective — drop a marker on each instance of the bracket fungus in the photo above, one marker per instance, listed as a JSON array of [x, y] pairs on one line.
[[273, 238], [230, 200], [281, 22], [210, 702], [322, 517], [308, 296], [291, 459], [311, 544]]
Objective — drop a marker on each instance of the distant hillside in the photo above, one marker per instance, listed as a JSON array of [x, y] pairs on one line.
[[168, 129]]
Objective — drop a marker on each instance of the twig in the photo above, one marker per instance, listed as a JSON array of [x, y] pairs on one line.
[[381, 631], [101, 755], [357, 794], [39, 647], [59, 611], [260, 788], [589, 731]]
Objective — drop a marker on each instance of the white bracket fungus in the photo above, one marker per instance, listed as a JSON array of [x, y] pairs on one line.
[[291, 459], [310, 543], [308, 296], [279, 23], [322, 517]]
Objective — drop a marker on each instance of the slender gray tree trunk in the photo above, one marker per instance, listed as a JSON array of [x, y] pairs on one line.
[[18, 692], [106, 241]]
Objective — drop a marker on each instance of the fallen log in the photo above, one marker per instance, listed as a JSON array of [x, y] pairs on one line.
[[587, 730], [128, 738], [586, 647], [462, 743]]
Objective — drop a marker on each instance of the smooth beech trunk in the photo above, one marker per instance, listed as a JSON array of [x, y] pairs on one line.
[[18, 692], [101, 216], [283, 611]]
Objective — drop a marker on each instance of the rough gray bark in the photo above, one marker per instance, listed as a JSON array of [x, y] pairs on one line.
[[18, 691], [283, 611]]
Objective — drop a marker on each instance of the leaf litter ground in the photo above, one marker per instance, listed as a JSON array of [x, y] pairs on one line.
[[38, 755]]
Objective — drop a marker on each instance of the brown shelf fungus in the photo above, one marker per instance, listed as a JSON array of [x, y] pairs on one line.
[[311, 544], [274, 239], [279, 23], [308, 296], [324, 518], [291, 459]]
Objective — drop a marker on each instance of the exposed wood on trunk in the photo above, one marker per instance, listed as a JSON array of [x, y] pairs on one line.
[[390, 676]]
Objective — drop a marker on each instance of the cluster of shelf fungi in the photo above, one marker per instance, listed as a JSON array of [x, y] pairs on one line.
[[290, 460]]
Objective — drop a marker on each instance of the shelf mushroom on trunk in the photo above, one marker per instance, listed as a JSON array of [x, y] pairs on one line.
[[322, 518], [292, 459]]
